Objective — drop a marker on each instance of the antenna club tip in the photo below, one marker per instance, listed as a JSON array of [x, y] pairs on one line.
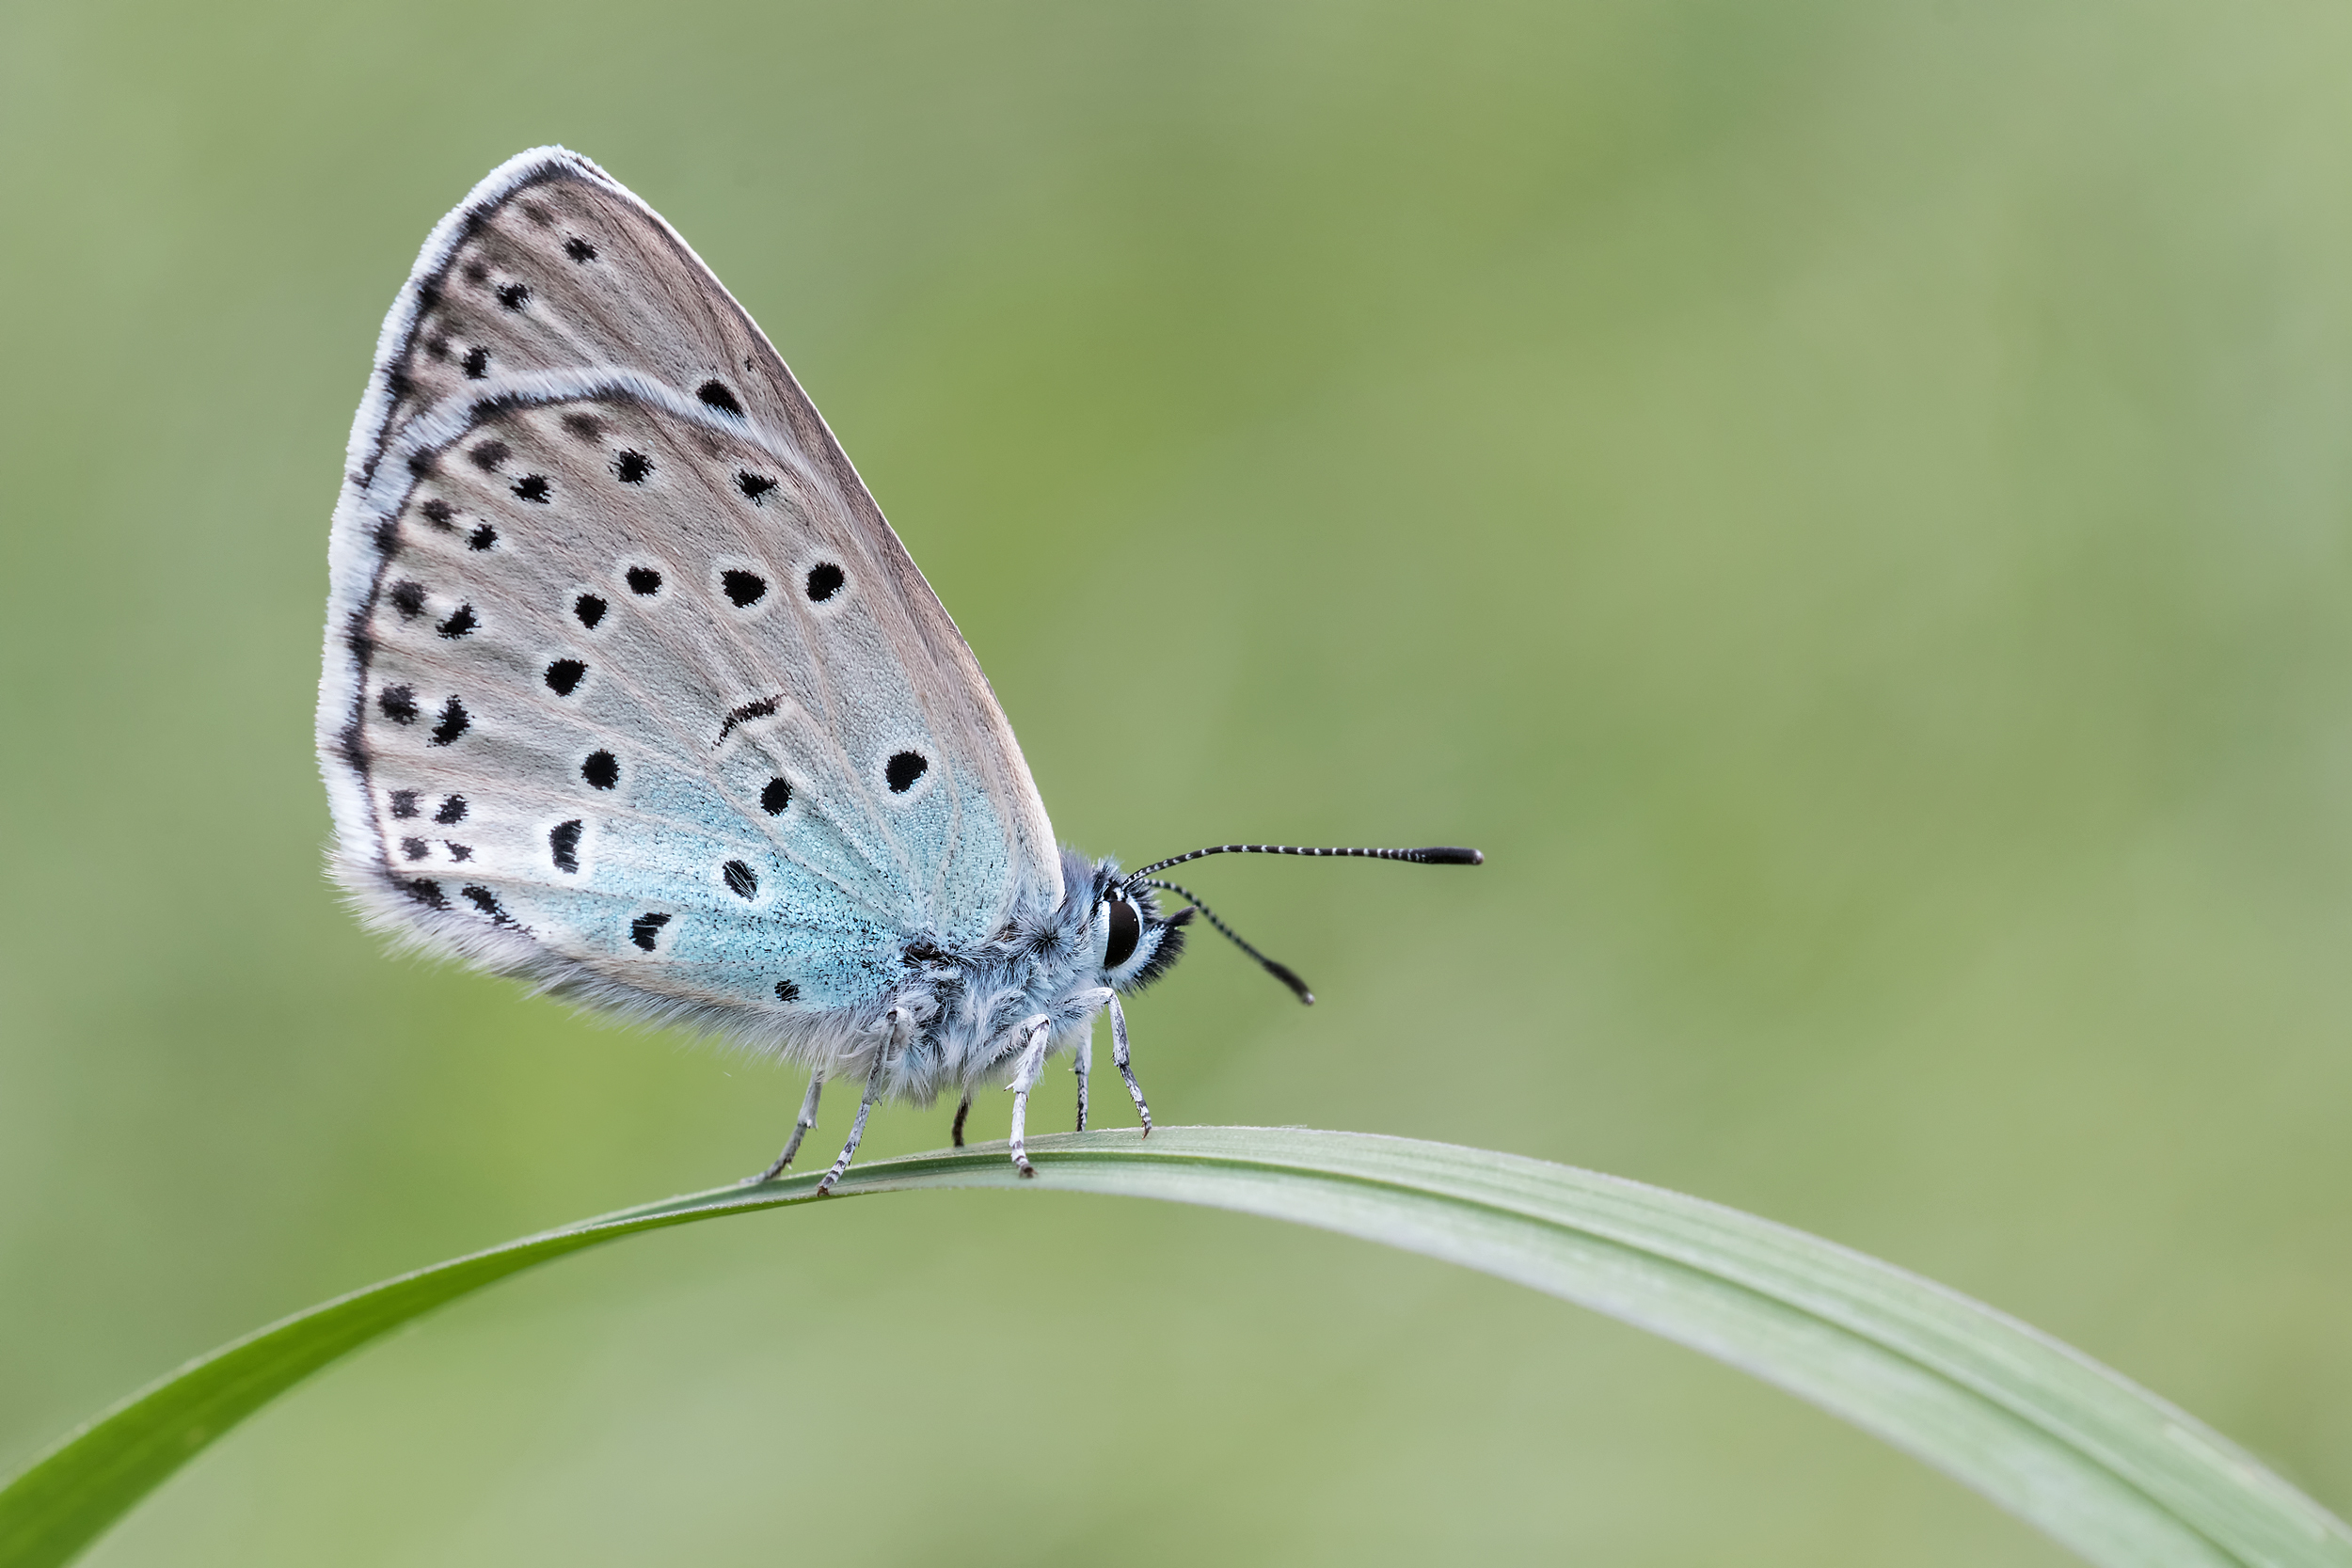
[[1447, 855], [1289, 977]]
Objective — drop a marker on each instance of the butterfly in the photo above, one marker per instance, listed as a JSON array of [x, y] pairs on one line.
[[630, 691]]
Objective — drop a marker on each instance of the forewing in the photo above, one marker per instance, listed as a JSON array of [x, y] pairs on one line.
[[628, 683]]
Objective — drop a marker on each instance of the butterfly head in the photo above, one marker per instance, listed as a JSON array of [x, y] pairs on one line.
[[1133, 943]]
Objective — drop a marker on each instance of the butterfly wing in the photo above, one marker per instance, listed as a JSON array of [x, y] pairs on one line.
[[629, 684]]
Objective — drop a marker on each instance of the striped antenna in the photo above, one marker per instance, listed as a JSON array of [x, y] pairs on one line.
[[1440, 855], [1281, 972]]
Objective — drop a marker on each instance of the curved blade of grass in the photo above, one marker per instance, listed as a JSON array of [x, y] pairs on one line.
[[2103, 1465]]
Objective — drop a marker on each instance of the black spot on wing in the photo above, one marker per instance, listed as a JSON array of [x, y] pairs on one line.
[[904, 770], [589, 609], [514, 296], [489, 454], [715, 394], [453, 722], [403, 802], [741, 880], [602, 770], [426, 891], [533, 487], [643, 581], [755, 486], [461, 621], [487, 902], [481, 538], [564, 675], [630, 467], [408, 598], [414, 848], [825, 581], [398, 703], [646, 927], [787, 991], [745, 589], [564, 843], [759, 709], [579, 250], [476, 363], [586, 426], [438, 513], [774, 796], [453, 809]]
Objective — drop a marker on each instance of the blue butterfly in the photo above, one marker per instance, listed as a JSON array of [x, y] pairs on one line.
[[630, 691]]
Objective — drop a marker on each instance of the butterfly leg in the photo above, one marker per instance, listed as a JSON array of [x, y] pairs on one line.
[[1079, 1065], [1119, 1055], [857, 1128], [1040, 1032], [962, 1111], [800, 1130]]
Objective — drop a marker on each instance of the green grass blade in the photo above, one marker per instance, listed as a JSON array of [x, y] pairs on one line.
[[2102, 1465]]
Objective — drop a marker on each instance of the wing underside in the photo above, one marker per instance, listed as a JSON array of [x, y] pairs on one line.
[[629, 684]]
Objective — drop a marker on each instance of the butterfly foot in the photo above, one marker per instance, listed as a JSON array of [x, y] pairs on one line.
[[1039, 1031], [857, 1129], [792, 1146], [1126, 1068]]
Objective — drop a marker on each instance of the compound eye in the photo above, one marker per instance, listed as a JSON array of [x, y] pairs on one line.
[[1126, 929]]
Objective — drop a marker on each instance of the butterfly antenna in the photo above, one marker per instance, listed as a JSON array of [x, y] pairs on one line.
[[1440, 855], [1281, 972]]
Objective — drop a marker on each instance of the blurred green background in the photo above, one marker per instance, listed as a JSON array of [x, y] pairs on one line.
[[1846, 502]]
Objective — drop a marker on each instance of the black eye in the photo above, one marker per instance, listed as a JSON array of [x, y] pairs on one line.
[[1126, 931]]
